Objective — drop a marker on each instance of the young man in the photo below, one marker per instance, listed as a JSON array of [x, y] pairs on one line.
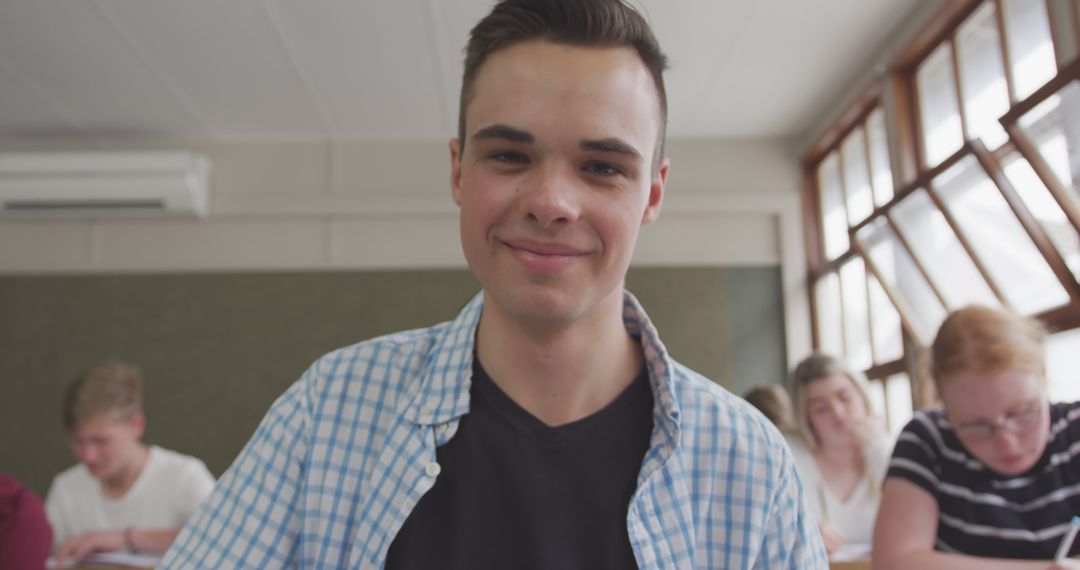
[[546, 426], [123, 494]]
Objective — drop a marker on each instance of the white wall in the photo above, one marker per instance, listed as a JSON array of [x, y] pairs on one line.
[[326, 206]]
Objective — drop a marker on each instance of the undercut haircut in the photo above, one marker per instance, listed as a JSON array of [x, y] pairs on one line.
[[584, 23]]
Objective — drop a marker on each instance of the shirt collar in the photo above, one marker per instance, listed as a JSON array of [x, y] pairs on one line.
[[442, 394]]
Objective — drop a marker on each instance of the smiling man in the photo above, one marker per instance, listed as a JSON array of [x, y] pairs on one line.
[[546, 426], [123, 495]]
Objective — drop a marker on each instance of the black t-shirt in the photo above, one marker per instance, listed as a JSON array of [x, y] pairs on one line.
[[516, 493]]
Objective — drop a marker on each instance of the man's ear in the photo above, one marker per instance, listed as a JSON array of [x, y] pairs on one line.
[[455, 169], [138, 423], [656, 192]]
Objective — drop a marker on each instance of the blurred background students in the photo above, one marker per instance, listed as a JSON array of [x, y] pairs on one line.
[[773, 401], [25, 535], [841, 449], [123, 494], [995, 471]]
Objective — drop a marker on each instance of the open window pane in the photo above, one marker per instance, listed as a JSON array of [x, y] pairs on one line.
[[860, 200], [982, 74], [1031, 47], [898, 401], [880, 165], [833, 217], [829, 319], [935, 244], [885, 331], [899, 272], [856, 314], [942, 133], [999, 240], [1047, 210], [1053, 127]]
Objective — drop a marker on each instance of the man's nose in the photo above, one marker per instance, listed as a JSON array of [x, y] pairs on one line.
[[551, 197]]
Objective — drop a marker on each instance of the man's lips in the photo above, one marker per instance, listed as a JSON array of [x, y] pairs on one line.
[[544, 248]]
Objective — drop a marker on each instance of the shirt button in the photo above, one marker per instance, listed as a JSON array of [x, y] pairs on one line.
[[433, 469], [427, 411]]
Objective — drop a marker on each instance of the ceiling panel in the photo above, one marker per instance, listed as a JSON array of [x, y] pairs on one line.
[[699, 50], [226, 60], [70, 51], [798, 57], [25, 106], [371, 64]]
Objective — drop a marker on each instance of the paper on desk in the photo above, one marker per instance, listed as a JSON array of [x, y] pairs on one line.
[[852, 551], [113, 558]]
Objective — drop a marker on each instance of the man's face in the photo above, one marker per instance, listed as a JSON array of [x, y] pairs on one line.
[[555, 179], [105, 444]]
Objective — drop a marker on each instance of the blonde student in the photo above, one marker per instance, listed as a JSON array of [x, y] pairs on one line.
[[990, 479], [123, 495], [841, 449]]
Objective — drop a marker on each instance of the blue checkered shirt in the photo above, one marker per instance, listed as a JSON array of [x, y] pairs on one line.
[[344, 455]]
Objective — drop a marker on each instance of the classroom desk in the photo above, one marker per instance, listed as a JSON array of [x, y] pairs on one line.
[[850, 565]]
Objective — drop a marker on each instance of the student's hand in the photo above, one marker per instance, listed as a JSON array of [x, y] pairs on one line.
[[833, 538], [88, 543], [869, 430]]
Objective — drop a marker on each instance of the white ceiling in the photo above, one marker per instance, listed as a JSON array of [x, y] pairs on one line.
[[235, 70]]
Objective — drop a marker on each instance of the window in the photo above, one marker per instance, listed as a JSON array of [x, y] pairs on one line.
[[986, 127]]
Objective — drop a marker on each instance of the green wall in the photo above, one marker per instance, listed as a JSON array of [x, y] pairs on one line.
[[217, 349]]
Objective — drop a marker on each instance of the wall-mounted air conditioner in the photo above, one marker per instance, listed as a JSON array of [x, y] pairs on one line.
[[96, 184]]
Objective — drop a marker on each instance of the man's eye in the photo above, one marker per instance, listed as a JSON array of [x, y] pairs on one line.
[[509, 157], [603, 168]]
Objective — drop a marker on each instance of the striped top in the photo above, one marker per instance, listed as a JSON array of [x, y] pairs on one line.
[[344, 455], [983, 513]]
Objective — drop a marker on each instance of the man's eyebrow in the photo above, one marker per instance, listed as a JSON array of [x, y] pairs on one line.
[[611, 144], [504, 132]]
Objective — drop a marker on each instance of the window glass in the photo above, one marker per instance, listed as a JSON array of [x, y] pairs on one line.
[[897, 271], [997, 237], [935, 244], [1061, 351], [1045, 208], [829, 319], [880, 165], [860, 200], [898, 401], [886, 334], [875, 391], [856, 314], [833, 216], [940, 118], [1031, 47], [982, 75]]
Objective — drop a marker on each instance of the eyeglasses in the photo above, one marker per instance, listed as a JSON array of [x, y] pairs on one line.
[[1015, 422]]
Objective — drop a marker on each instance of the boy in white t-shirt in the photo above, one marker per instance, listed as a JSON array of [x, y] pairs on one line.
[[123, 494]]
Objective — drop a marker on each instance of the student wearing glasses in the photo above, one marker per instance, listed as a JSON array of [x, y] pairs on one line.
[[991, 479]]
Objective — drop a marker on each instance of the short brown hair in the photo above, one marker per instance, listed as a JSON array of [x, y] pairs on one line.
[[985, 339], [112, 388], [592, 23]]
